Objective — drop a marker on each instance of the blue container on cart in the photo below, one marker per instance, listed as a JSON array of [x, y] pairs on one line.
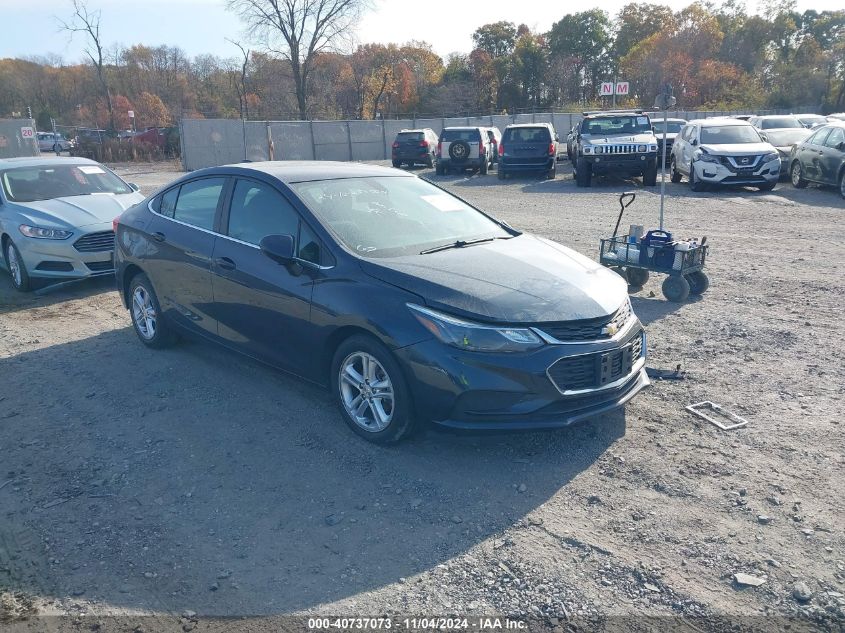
[[657, 249]]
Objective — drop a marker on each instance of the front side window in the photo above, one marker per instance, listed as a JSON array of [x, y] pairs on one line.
[[258, 210], [392, 216], [819, 137], [197, 202], [28, 184], [836, 136]]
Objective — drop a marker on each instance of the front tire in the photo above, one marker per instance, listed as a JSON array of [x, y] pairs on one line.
[[694, 183], [17, 268], [767, 187], [650, 175], [675, 175], [676, 288], [145, 311], [637, 277], [583, 173], [842, 184], [371, 391], [796, 176]]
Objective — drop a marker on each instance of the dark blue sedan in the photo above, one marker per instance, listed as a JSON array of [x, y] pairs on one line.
[[409, 303]]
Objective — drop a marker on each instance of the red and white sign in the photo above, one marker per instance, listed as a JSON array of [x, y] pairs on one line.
[[606, 88], [622, 88], [27, 132]]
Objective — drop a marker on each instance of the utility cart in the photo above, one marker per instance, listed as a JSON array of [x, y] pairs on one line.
[[635, 257]]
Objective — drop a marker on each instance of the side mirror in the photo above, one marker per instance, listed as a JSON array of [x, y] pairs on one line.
[[279, 248], [557, 139], [763, 136], [841, 146], [694, 141], [133, 186]]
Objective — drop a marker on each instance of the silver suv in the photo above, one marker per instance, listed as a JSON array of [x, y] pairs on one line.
[[462, 148], [724, 151]]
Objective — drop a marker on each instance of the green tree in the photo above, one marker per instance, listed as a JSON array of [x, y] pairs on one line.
[[497, 39]]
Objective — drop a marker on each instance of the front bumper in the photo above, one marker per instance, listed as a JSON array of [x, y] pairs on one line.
[[629, 164], [470, 390], [59, 259], [719, 174]]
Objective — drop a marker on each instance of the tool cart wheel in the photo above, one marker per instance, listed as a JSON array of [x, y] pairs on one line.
[[698, 282], [676, 288], [636, 276]]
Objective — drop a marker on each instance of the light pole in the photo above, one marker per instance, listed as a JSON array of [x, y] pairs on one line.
[[664, 101]]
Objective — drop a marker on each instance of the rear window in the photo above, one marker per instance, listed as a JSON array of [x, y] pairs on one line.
[[527, 135], [410, 136], [460, 135], [780, 122]]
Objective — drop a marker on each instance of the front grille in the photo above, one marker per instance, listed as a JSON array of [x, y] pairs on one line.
[[98, 267], [618, 149], [588, 329], [735, 163], [592, 371], [95, 242]]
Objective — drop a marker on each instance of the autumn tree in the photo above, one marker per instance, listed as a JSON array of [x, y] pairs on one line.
[[150, 111]]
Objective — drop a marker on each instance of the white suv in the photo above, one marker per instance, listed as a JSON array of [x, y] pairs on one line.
[[724, 152]]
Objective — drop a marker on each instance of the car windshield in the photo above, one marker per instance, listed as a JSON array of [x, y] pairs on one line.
[[672, 127], [783, 138], [527, 135], [388, 217], [729, 134], [780, 122], [616, 125], [45, 182], [811, 118]]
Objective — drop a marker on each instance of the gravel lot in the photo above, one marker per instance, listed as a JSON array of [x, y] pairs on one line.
[[141, 482]]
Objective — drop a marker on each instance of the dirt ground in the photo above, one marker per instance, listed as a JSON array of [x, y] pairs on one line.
[[194, 481]]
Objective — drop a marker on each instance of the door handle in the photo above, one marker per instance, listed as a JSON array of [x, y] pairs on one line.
[[225, 263], [158, 237]]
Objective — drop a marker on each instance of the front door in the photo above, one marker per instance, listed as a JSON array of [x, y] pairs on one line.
[[810, 153], [831, 157], [263, 307]]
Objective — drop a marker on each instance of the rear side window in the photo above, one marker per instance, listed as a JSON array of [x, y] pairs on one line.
[[472, 136], [167, 202], [410, 136], [527, 135], [258, 210], [197, 202]]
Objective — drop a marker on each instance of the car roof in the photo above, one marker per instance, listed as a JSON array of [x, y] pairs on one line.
[[721, 122], [777, 116], [538, 124], [464, 127], [416, 130], [670, 119], [611, 115], [291, 171], [36, 161]]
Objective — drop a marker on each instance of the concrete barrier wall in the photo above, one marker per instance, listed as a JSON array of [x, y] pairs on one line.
[[209, 142], [12, 142]]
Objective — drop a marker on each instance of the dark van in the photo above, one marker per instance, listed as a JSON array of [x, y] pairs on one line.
[[530, 147]]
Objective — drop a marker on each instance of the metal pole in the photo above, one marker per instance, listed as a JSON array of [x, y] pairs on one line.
[[613, 107], [384, 139], [313, 145], [663, 166]]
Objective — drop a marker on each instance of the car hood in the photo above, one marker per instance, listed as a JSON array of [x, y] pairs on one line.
[[644, 139], [525, 279], [738, 149], [78, 211], [670, 136]]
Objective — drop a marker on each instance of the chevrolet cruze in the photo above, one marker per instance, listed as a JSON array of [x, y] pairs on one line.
[[411, 305]]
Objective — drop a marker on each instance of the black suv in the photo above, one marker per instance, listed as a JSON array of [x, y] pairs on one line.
[[463, 148], [414, 146], [528, 147], [615, 142]]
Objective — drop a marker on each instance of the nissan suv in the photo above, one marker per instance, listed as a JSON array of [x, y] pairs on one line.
[[414, 146], [724, 151], [618, 142], [461, 148]]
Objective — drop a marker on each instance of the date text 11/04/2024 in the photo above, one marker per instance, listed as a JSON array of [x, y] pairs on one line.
[[417, 624]]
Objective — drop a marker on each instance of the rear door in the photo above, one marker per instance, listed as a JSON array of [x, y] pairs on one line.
[[263, 307], [831, 157], [181, 244]]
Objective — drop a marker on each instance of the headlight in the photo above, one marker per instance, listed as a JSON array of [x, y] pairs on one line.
[[475, 336], [704, 157], [770, 157], [641, 148], [588, 149], [44, 234]]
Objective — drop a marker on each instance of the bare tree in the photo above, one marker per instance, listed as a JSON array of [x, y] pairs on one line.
[[88, 22], [302, 29], [240, 84]]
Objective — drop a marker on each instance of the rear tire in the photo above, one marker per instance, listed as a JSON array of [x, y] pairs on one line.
[[796, 176], [484, 167], [552, 173], [674, 174], [842, 184], [676, 288], [150, 324], [16, 267], [637, 277], [698, 282], [438, 169], [362, 370], [583, 173], [397, 164], [501, 173], [429, 162]]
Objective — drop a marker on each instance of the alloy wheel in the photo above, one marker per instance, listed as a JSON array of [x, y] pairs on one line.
[[366, 391], [14, 264], [144, 313], [796, 174]]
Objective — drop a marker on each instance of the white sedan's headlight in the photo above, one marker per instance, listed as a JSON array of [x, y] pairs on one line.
[[42, 233], [475, 337]]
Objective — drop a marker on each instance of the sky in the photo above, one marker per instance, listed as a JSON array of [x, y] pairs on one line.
[[30, 28]]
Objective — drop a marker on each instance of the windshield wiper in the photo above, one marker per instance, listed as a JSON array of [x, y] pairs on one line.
[[461, 244]]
